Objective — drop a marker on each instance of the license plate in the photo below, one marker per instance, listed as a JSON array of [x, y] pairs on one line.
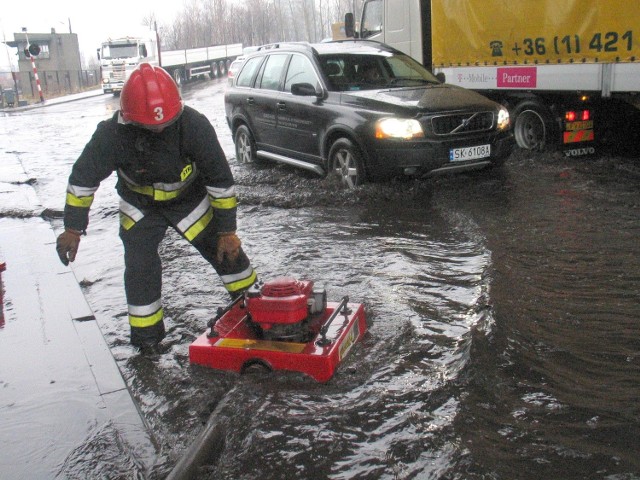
[[469, 153]]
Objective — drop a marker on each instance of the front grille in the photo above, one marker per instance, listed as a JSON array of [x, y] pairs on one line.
[[459, 123], [119, 72]]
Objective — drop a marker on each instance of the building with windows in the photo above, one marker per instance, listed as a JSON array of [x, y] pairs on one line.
[[58, 63]]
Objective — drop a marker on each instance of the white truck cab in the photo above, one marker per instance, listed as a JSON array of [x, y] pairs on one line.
[[120, 56]]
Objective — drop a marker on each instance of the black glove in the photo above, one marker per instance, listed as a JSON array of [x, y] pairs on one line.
[[67, 245]]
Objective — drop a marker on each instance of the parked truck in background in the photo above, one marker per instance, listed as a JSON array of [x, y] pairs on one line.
[[120, 56], [557, 66]]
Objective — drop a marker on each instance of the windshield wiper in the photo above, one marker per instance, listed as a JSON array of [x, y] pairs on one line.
[[408, 80]]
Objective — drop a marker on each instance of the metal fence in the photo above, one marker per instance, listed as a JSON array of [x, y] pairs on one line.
[[55, 83]]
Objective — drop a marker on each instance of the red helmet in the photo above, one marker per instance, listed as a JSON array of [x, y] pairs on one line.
[[150, 97]]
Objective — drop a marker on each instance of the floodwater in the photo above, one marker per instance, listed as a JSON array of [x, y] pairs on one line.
[[503, 313]]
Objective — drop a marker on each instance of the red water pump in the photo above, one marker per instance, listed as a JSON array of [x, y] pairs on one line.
[[282, 307], [281, 324]]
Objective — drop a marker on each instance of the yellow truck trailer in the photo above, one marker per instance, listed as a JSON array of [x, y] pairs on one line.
[[554, 63]]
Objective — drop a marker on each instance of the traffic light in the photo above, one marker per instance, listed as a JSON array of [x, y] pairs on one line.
[[32, 51]]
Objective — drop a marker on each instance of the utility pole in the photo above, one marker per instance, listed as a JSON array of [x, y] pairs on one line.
[[13, 73]]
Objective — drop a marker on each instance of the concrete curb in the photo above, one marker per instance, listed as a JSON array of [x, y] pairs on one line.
[[56, 367]]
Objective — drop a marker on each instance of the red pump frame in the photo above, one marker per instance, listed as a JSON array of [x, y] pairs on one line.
[[234, 345]]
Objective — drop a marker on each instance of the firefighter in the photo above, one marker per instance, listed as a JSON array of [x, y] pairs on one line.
[[171, 172]]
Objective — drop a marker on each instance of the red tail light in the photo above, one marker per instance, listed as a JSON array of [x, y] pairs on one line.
[[572, 116]]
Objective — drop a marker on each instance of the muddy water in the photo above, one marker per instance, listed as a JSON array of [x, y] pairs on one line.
[[502, 307]]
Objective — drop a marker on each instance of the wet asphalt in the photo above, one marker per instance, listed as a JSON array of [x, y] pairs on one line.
[[502, 310]]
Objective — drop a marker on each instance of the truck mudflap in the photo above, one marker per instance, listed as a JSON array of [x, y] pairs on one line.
[[579, 151], [577, 132], [578, 137]]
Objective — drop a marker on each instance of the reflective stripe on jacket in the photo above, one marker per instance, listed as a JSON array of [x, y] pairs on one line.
[[153, 168], [161, 192]]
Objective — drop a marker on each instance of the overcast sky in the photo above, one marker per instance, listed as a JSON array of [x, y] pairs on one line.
[[89, 20]]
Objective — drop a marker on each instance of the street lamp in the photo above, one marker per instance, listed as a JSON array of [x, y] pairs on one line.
[[33, 50]]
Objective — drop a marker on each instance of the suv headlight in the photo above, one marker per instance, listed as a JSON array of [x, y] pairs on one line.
[[404, 128], [503, 119]]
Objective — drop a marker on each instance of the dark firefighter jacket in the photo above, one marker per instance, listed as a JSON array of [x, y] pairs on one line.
[[183, 160]]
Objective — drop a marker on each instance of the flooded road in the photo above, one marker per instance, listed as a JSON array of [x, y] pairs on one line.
[[503, 312]]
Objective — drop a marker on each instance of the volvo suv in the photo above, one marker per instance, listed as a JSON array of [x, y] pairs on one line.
[[361, 110]]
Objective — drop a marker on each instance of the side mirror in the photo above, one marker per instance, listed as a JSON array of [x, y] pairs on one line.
[[98, 53], [349, 29], [304, 90], [442, 77]]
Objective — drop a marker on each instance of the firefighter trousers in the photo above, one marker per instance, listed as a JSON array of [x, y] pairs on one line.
[[141, 231]]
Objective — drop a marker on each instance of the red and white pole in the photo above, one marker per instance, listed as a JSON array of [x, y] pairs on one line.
[[33, 65], [35, 74]]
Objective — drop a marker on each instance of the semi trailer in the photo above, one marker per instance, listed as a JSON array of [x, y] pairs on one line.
[[559, 67], [120, 56]]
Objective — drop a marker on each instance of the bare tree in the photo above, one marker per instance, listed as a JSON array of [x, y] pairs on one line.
[[253, 22], [221, 21], [277, 5], [296, 35], [321, 21]]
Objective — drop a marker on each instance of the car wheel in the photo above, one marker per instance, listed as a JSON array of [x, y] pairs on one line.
[[532, 126], [245, 145], [345, 161]]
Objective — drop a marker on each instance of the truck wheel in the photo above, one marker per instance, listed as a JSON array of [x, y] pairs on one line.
[[532, 126], [177, 76], [345, 161], [215, 72], [221, 67], [245, 146]]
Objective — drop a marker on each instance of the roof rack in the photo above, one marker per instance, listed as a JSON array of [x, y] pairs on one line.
[[269, 46]]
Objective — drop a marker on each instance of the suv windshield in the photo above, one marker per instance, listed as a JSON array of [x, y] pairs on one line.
[[371, 72]]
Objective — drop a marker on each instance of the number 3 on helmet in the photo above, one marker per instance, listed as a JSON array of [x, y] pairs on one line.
[[150, 97]]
